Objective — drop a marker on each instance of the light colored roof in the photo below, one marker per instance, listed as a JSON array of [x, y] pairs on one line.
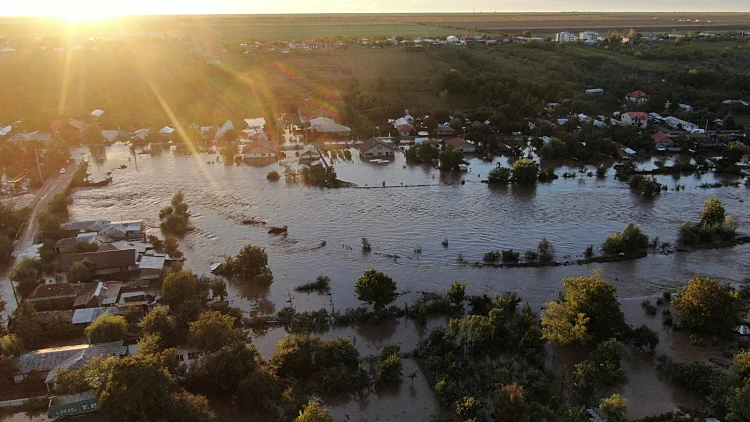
[[29, 137], [77, 360], [88, 315], [140, 247], [629, 151], [7, 50], [166, 130], [150, 262], [97, 113], [92, 225], [5, 130], [45, 359], [326, 125], [256, 123], [110, 135], [224, 128], [370, 143]]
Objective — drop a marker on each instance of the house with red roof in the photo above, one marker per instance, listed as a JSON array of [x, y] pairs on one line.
[[664, 142], [463, 145], [637, 96], [638, 119]]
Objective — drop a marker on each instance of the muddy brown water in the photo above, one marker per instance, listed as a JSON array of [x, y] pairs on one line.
[[399, 219]]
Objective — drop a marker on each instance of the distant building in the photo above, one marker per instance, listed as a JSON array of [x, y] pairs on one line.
[[588, 37], [258, 151], [594, 91], [461, 144], [637, 96], [638, 119], [116, 263], [377, 148], [443, 130], [566, 37]]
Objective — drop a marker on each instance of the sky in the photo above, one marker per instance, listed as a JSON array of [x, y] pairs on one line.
[[89, 9]]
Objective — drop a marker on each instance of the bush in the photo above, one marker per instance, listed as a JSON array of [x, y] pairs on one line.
[[649, 307], [531, 256], [629, 241], [492, 256], [499, 175], [589, 252], [510, 256], [646, 186], [321, 285], [106, 328], [273, 176], [546, 252]]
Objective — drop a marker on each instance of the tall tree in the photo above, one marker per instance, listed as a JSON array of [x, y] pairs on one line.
[[106, 328], [314, 412], [214, 330], [706, 305], [375, 288]]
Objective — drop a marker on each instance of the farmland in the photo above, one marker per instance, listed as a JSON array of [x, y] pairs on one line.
[[287, 27]]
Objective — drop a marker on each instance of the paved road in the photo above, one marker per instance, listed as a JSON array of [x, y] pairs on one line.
[[26, 239]]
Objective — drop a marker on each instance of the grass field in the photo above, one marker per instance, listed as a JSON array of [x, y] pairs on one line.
[[285, 27]]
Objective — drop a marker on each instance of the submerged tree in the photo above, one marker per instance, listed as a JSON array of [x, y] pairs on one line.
[[376, 288]]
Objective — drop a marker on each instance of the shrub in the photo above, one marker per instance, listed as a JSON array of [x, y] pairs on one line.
[[589, 252], [510, 256], [629, 241], [321, 284], [648, 306], [492, 256], [531, 256], [273, 176], [499, 175]]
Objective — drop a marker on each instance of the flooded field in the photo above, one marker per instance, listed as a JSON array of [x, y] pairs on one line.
[[418, 208]]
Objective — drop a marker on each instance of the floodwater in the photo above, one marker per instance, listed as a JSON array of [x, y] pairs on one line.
[[418, 208]]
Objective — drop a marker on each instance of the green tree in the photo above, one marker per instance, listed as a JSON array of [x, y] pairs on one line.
[[224, 369], [25, 324], [375, 288], [644, 336], [603, 367], [6, 248], [252, 261], [92, 134], [159, 322], [389, 370], [741, 363], [499, 175], [107, 327], [58, 206], [629, 241], [614, 408], [525, 171], [739, 405], [26, 274], [314, 412], [181, 286], [713, 213], [468, 408], [450, 158], [706, 305], [584, 297], [214, 330], [79, 273], [457, 293]]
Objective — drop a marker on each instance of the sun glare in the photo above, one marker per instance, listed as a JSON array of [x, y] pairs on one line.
[[80, 16]]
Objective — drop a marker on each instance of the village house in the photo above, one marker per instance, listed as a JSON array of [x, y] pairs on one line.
[[48, 362], [55, 295], [565, 37], [321, 128], [444, 130], [309, 156], [99, 294], [461, 144], [261, 150], [637, 97], [589, 37], [67, 127], [117, 263], [30, 137], [664, 142], [228, 125], [377, 148], [638, 119], [67, 244]]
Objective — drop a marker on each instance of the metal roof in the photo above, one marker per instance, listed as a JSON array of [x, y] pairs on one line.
[[88, 315]]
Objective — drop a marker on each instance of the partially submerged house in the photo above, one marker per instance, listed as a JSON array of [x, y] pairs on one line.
[[261, 150], [326, 128], [377, 148], [117, 263], [463, 145]]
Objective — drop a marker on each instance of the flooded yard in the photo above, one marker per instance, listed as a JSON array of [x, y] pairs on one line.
[[406, 222]]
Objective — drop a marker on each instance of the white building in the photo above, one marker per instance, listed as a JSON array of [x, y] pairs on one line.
[[638, 119], [566, 37], [452, 39], [589, 37]]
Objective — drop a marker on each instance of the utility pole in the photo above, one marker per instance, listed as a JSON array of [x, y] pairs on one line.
[[41, 179]]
